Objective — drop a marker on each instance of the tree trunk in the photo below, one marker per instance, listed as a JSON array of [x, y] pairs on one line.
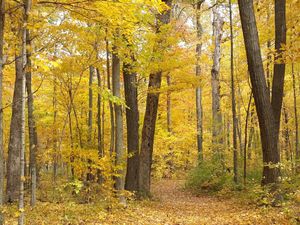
[[217, 138], [99, 128], [2, 21], [14, 147], [55, 136], [120, 156], [169, 113], [246, 139], [150, 119], [90, 119], [266, 117], [33, 139], [27, 6], [279, 65], [297, 147], [132, 121], [286, 133], [234, 119], [199, 112], [111, 108], [251, 134]]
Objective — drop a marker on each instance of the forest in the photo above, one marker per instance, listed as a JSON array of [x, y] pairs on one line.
[[149, 112]]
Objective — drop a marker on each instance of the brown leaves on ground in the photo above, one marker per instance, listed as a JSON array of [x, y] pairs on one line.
[[171, 206]]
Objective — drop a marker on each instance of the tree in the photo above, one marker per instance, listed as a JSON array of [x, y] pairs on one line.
[[132, 121], [2, 21], [150, 117], [14, 148], [268, 112], [233, 108], [33, 139], [198, 73], [111, 107], [215, 83], [120, 156], [90, 119]]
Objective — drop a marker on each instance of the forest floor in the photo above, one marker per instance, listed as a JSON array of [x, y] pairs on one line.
[[171, 205]]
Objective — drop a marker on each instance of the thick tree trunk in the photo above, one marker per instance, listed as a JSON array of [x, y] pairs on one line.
[[267, 122], [148, 134], [217, 138], [279, 65], [132, 121], [150, 119], [2, 21], [199, 112], [33, 139], [120, 156], [14, 147]]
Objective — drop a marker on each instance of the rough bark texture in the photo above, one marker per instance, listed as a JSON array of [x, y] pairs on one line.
[[14, 147], [2, 20], [150, 118], [279, 65], [233, 107], [120, 157], [267, 121], [33, 139], [199, 112], [215, 79], [132, 121]]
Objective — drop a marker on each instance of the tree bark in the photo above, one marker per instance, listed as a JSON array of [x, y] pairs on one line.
[[14, 147], [297, 147], [217, 138], [99, 124], [120, 156], [150, 118], [33, 139], [233, 105], [90, 119], [279, 67], [132, 121], [267, 122], [2, 22], [27, 6], [111, 108], [199, 112], [169, 112]]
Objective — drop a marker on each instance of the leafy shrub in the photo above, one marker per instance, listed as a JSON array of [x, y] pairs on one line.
[[208, 176]]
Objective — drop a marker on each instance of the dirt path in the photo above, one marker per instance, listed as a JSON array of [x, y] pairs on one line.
[[172, 206]]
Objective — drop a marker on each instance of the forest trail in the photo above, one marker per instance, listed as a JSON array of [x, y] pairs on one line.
[[173, 206]]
